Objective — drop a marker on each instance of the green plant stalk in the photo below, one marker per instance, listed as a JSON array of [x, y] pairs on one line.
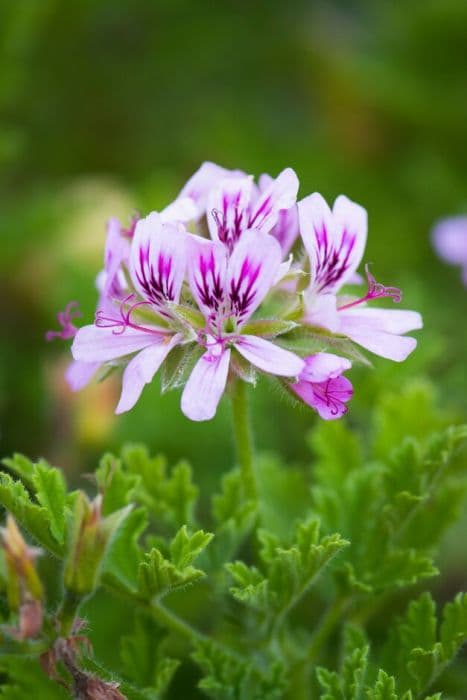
[[68, 612], [329, 622], [243, 437]]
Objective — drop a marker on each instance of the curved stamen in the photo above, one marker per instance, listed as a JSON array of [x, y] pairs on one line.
[[124, 322], [376, 290], [65, 319]]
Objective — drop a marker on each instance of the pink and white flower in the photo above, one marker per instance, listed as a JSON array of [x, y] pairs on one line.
[[228, 289], [335, 241], [232, 203], [157, 263], [450, 242], [322, 385]]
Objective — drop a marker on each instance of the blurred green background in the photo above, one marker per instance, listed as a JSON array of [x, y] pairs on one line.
[[108, 106]]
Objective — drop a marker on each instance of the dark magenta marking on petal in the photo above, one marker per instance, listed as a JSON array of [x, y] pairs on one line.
[[332, 263], [156, 282], [209, 284], [243, 290], [261, 214]]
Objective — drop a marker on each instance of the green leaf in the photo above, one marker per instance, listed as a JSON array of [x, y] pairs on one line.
[[384, 688], [116, 486], [142, 658], [124, 555], [415, 652], [51, 493], [229, 677], [168, 497], [22, 677], [288, 571], [268, 328], [157, 575], [185, 548], [32, 517]]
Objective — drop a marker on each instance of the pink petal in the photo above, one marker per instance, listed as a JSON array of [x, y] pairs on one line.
[[158, 260], [117, 251], [324, 365], [450, 240], [205, 386], [387, 320], [79, 374], [321, 311], [183, 209], [141, 370], [94, 344], [392, 347], [252, 270], [207, 267], [228, 209], [279, 194], [269, 357], [203, 180], [286, 228], [328, 398], [334, 241]]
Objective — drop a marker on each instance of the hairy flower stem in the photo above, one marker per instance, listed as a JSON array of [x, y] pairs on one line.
[[68, 612], [243, 437]]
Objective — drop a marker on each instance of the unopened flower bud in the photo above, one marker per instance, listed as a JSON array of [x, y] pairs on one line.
[[23, 581], [90, 537]]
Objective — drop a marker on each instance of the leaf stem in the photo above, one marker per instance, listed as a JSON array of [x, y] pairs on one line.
[[243, 437], [328, 623], [170, 620]]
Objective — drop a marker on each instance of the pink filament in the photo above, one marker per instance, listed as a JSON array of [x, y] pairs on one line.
[[375, 291]]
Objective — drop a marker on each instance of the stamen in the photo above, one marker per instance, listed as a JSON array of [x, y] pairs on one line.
[[327, 393], [376, 290], [65, 319], [124, 322]]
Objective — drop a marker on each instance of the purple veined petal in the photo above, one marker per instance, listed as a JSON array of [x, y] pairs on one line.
[[182, 209], [97, 344], [141, 370], [158, 260], [228, 209], [388, 320], [334, 241], [286, 229], [324, 365], [252, 270], [328, 398], [278, 195], [207, 268], [205, 385], [78, 374], [117, 251], [204, 179], [269, 357], [321, 311]]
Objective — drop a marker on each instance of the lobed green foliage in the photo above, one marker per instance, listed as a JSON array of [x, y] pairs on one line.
[[314, 589]]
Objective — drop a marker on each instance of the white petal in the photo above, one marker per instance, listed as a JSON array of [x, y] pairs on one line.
[[269, 357], [205, 386]]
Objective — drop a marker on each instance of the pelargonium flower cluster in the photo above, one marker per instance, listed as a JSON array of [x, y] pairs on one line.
[[208, 289]]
